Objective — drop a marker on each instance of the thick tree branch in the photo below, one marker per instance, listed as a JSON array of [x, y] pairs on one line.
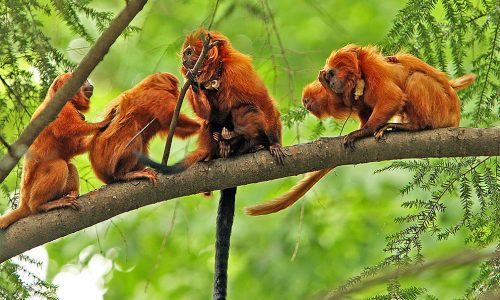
[[114, 199], [86, 66]]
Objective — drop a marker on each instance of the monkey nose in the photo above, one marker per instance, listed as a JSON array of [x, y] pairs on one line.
[[306, 102], [88, 90]]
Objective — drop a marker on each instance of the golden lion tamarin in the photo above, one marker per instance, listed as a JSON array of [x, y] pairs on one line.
[[49, 180], [112, 151], [400, 86]]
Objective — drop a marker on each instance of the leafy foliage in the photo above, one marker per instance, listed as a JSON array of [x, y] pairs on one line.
[[16, 282]]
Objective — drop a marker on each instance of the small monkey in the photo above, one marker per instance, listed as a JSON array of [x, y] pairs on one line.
[[112, 151], [49, 180], [401, 86]]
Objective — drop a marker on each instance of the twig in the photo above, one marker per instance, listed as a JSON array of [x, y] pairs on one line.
[[4, 143], [86, 66], [282, 51], [207, 45], [163, 244], [140, 131], [213, 14], [299, 232]]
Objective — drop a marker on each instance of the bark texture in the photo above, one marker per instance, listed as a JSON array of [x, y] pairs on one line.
[[114, 199]]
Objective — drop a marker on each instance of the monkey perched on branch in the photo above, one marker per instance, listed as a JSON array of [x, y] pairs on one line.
[[237, 115], [112, 151], [401, 86], [228, 93], [49, 180]]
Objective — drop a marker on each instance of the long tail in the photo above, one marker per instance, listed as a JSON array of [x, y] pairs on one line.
[[143, 159], [225, 216], [289, 197], [14, 216], [461, 83]]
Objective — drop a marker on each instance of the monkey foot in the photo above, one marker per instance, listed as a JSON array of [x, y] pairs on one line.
[[143, 174], [217, 136], [278, 153], [73, 194], [348, 141], [224, 149], [4, 224], [380, 133], [66, 201], [395, 126], [355, 135]]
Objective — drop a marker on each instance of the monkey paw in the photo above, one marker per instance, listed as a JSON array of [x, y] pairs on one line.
[[224, 149], [380, 133], [348, 141], [226, 134], [73, 204], [73, 194], [3, 224], [278, 153], [217, 136], [195, 85]]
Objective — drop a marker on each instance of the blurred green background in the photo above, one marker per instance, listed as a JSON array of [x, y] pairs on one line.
[[345, 218]]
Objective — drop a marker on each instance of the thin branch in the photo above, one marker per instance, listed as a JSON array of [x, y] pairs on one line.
[[162, 247], [456, 260], [4, 143], [207, 45], [282, 51], [115, 199], [86, 66], [213, 15]]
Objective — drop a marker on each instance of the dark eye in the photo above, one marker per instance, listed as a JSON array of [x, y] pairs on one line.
[[331, 73], [188, 52]]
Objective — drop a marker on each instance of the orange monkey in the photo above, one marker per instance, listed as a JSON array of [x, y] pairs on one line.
[[237, 115], [49, 180], [400, 86], [112, 151], [227, 93]]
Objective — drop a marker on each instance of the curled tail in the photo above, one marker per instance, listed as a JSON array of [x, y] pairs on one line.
[[290, 197], [14, 216], [461, 83]]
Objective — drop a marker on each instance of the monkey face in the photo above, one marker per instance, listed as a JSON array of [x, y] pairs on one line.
[[341, 71], [329, 79], [87, 89], [315, 99], [190, 56]]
